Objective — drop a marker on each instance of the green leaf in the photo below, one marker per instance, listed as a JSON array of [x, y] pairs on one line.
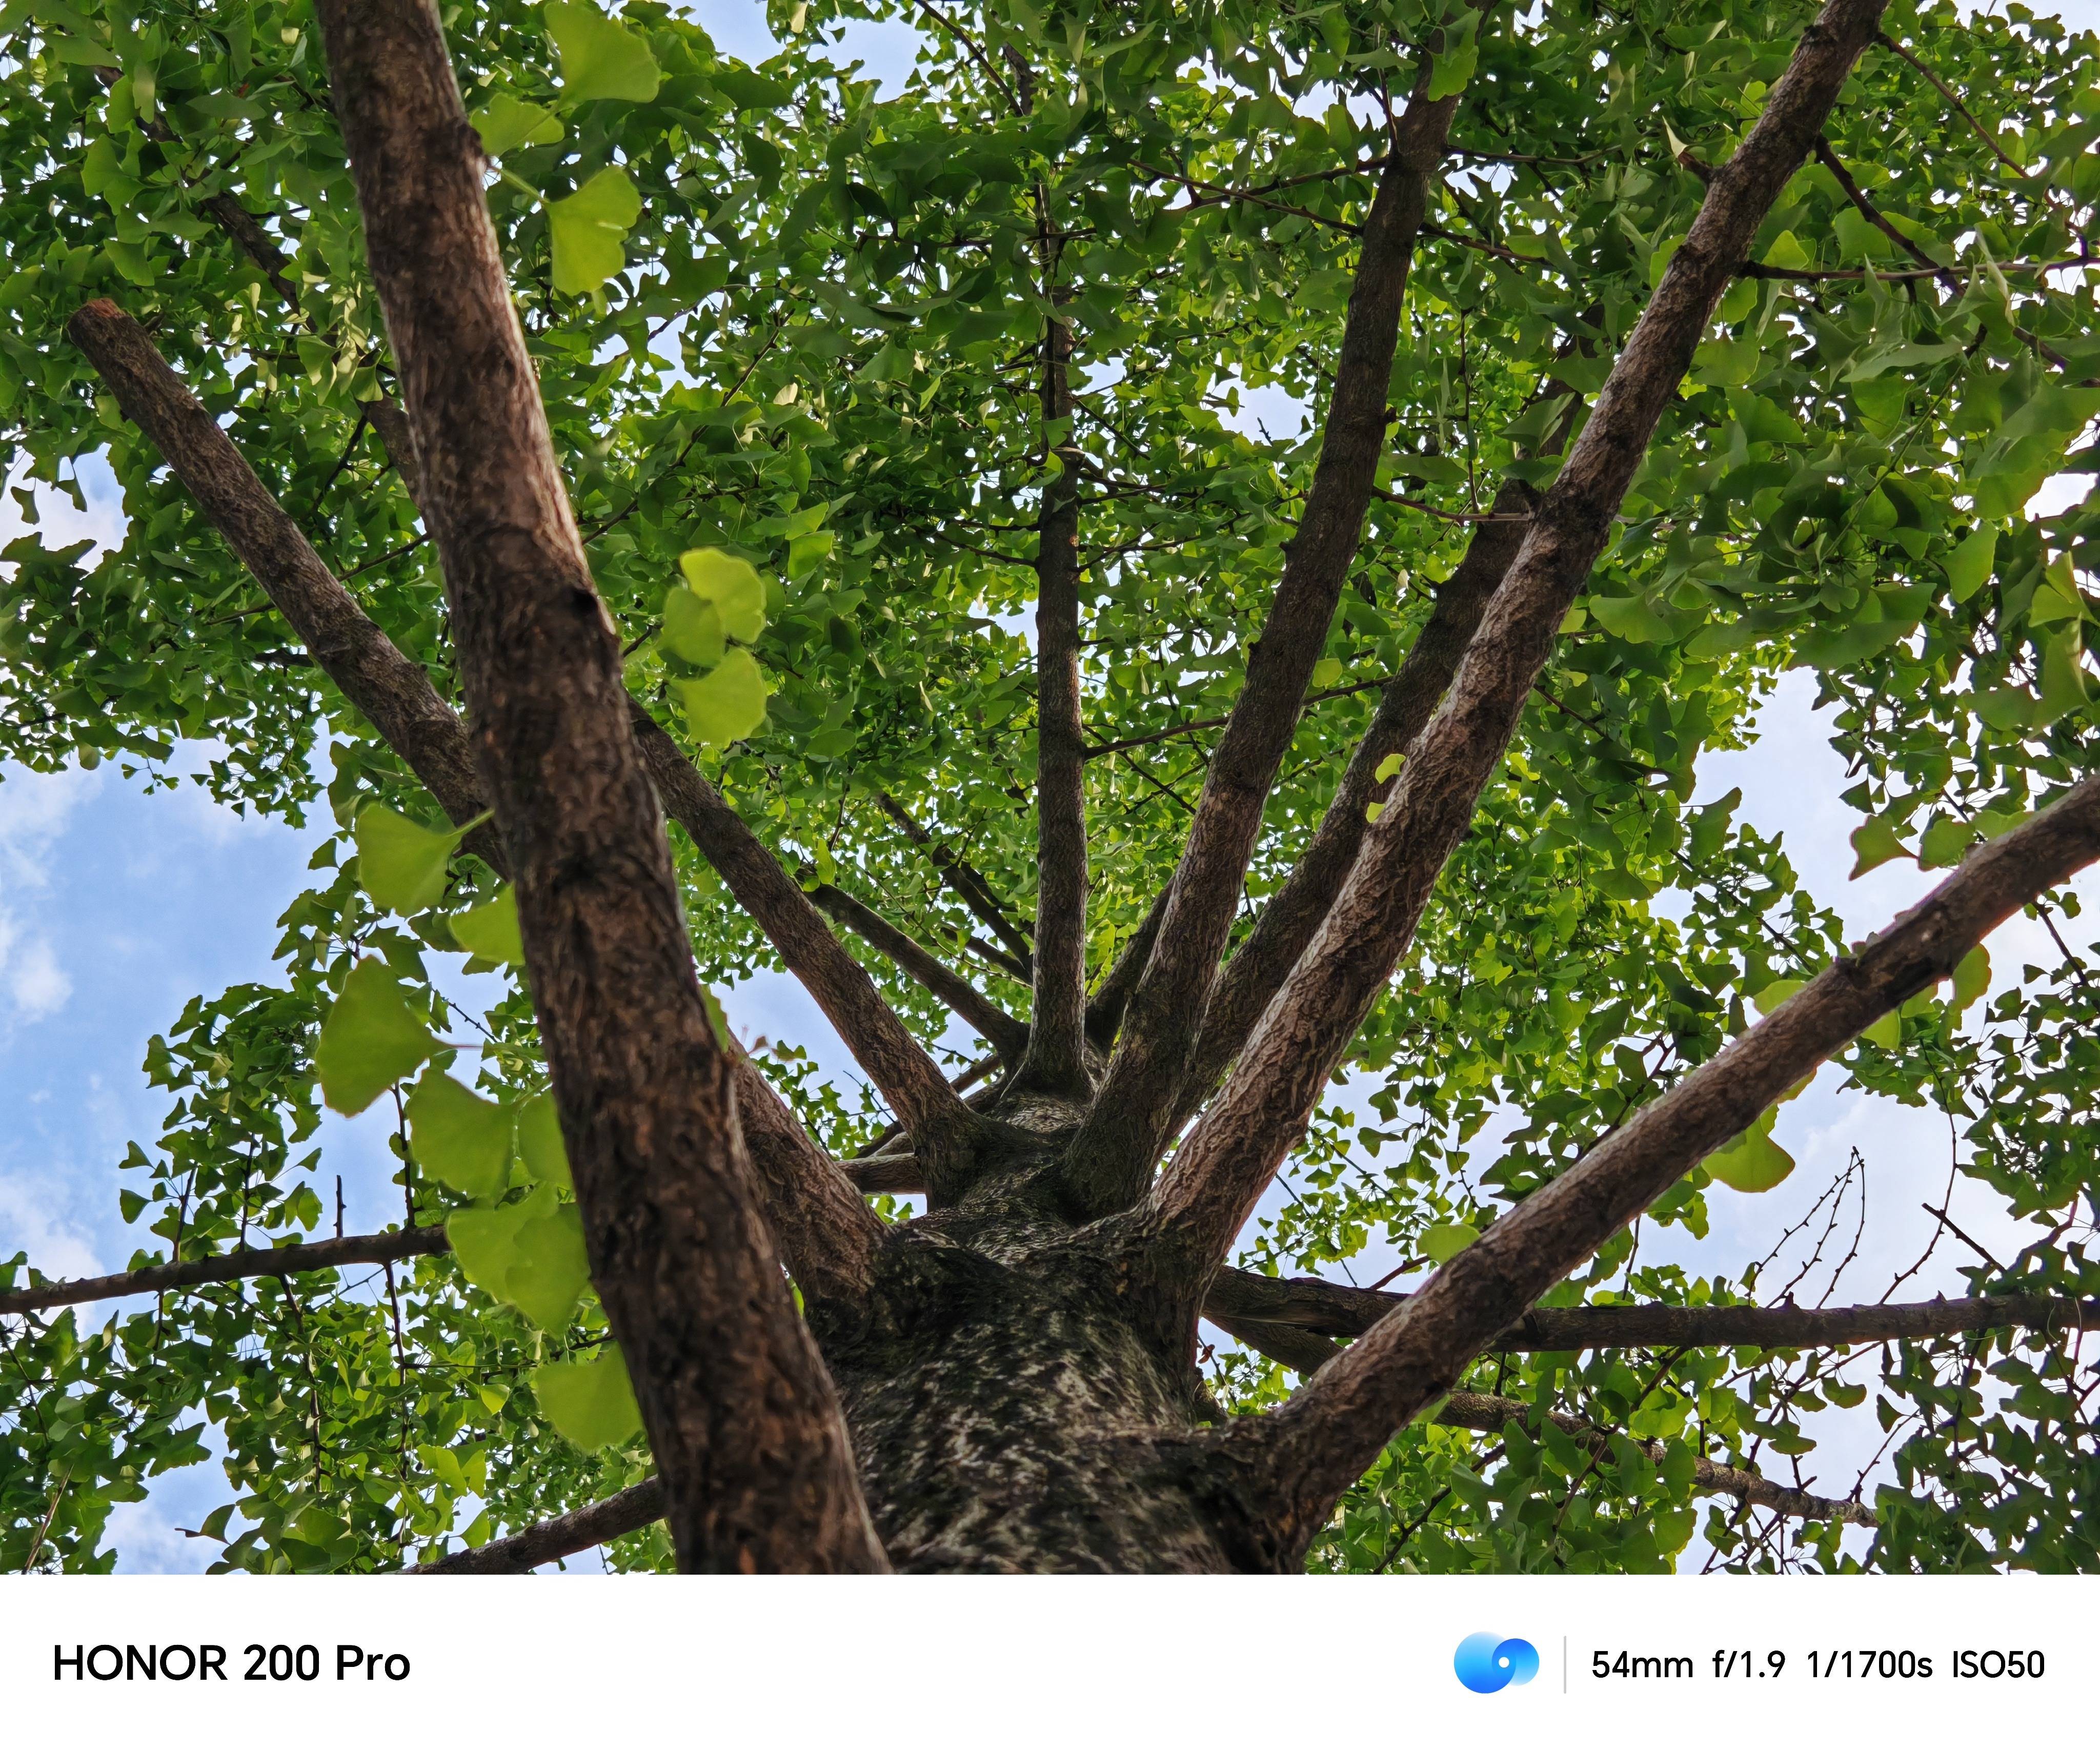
[[1446, 1241], [129, 1204], [590, 1403], [731, 586], [2056, 599], [370, 1040], [462, 1139], [1710, 826], [1886, 1033], [2062, 674], [505, 123], [529, 1253], [1786, 251], [1388, 768], [1751, 1163], [491, 930], [1969, 565], [693, 629], [1632, 617], [588, 228], [1972, 978], [400, 863], [1943, 842], [546, 1157], [1874, 844], [599, 57], [1768, 999], [1326, 672], [727, 705], [1453, 69]]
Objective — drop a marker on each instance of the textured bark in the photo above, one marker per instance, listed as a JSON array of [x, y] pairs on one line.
[[1056, 1059], [1220, 1169], [1113, 1158], [826, 1235], [1005, 1035], [1337, 1423], [910, 1080], [745, 1428], [373, 675]]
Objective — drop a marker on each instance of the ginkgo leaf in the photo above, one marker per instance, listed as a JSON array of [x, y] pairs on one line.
[[728, 703], [1943, 842], [1969, 565], [599, 57], [731, 585], [529, 1253], [588, 228], [462, 1139], [400, 863], [589, 1401], [540, 1142], [491, 930], [1326, 672], [1972, 978], [370, 1040], [1774, 995], [1446, 1240], [1886, 1032], [1453, 68], [505, 123], [1388, 768], [1751, 1163], [1875, 843], [693, 629]]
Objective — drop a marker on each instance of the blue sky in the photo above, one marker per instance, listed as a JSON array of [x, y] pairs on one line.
[[117, 906]]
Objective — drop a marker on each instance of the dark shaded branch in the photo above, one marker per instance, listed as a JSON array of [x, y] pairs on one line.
[[1338, 1424], [910, 1080], [1221, 1167], [1947, 91], [828, 1235], [1056, 1060], [1194, 726], [964, 882], [757, 1468], [1339, 1310], [1111, 1160], [1008, 1036], [230, 1266], [566, 1535], [391, 690]]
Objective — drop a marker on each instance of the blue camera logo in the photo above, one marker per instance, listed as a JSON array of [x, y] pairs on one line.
[[1486, 1663]]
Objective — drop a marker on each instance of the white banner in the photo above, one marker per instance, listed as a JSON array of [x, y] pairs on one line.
[[1084, 1663]]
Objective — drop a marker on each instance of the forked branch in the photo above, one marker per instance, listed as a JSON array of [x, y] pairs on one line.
[[1200, 1203], [1334, 1426], [1112, 1159]]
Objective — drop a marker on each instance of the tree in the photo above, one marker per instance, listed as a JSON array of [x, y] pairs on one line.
[[642, 434]]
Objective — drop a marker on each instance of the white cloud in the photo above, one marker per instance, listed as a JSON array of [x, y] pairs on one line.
[[30, 1221]]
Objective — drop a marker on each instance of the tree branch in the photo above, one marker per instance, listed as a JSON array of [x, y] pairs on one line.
[[964, 881], [1334, 1426], [670, 1203], [567, 1535], [1006, 1036], [1112, 1158], [1311, 1305], [391, 690], [1056, 1059], [1105, 1009], [828, 1235], [230, 1266], [1220, 1169], [910, 1080], [395, 694]]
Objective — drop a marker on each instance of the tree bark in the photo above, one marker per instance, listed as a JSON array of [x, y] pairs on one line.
[[758, 1472], [1220, 1169], [1112, 1159], [1346, 1414], [1055, 1061]]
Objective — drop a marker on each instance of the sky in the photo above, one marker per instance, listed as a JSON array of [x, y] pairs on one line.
[[117, 906]]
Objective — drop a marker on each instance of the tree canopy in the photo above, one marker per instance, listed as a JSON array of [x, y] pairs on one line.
[[1076, 740]]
